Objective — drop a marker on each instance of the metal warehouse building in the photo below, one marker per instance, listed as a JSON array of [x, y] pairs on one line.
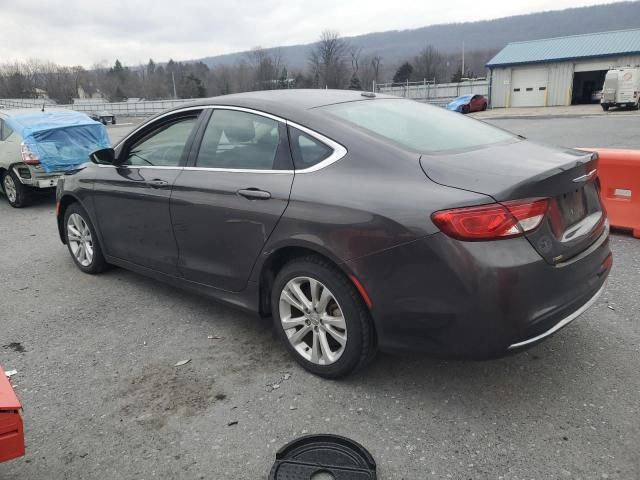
[[559, 71]]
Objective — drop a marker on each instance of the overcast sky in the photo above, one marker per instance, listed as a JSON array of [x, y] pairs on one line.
[[83, 32]]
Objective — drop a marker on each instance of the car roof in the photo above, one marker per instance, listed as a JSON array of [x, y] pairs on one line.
[[12, 112], [286, 103]]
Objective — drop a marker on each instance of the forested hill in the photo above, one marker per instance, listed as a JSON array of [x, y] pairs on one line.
[[397, 45]]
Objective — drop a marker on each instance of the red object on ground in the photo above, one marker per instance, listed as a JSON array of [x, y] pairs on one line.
[[11, 428], [619, 173]]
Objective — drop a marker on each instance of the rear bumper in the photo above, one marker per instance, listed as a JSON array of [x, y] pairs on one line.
[[475, 299], [36, 178], [561, 324]]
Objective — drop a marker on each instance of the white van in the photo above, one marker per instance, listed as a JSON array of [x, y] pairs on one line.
[[621, 88]]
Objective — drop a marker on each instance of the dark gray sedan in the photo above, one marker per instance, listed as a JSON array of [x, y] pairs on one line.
[[357, 222]]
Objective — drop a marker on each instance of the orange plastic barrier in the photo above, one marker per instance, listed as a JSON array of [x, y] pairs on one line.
[[619, 173], [11, 428]]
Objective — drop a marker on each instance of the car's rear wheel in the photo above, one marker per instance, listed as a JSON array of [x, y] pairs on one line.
[[18, 195], [321, 318], [605, 107], [113, 120], [82, 240], [484, 107]]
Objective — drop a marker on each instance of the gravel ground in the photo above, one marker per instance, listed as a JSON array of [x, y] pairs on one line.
[[95, 357]]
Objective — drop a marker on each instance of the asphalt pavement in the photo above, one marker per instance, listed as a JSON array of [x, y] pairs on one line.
[[103, 398]]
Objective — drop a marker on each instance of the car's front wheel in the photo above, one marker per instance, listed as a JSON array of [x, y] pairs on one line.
[[465, 109], [82, 240], [18, 195], [321, 318]]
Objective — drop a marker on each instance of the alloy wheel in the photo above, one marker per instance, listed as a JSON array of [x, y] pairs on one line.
[[312, 320], [80, 239], [10, 189]]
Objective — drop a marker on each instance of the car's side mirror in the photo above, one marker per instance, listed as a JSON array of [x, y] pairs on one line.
[[106, 156]]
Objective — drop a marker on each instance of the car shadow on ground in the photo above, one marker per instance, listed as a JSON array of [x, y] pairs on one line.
[[511, 382]]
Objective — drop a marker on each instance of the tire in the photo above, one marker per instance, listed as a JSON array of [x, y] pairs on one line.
[[465, 109], [79, 219], [104, 121], [17, 194], [346, 308], [113, 120], [484, 107], [605, 107]]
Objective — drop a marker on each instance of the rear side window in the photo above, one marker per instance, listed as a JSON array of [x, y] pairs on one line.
[[240, 140], [416, 126], [307, 151], [5, 130]]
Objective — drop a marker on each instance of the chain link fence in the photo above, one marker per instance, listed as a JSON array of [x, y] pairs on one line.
[[435, 93], [125, 109], [425, 91]]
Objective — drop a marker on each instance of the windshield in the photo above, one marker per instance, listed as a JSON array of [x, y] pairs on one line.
[[416, 126], [463, 97]]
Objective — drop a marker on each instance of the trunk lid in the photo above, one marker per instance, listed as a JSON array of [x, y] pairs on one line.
[[575, 218]]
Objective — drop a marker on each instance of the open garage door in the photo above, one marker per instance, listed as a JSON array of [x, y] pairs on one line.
[[529, 87], [587, 86]]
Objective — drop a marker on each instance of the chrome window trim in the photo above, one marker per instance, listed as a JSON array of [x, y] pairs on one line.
[[237, 170], [562, 323], [339, 151], [159, 167]]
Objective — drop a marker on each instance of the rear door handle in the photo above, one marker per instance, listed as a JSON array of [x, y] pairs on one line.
[[158, 183], [254, 194]]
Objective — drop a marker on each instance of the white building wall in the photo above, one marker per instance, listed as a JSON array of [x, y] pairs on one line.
[[500, 87], [560, 78]]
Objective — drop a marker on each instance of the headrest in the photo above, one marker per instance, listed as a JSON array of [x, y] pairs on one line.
[[239, 128]]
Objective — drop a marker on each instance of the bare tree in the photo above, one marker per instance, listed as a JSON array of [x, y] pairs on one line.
[[327, 60], [430, 64], [354, 55], [376, 60]]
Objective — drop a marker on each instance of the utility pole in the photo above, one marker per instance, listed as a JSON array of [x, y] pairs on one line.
[[173, 80], [462, 60]]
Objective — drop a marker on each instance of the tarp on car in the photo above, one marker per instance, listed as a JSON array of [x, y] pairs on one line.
[[62, 140]]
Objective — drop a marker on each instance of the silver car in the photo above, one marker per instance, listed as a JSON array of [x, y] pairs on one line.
[[21, 171]]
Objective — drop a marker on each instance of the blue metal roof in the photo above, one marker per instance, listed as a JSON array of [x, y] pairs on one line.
[[604, 44]]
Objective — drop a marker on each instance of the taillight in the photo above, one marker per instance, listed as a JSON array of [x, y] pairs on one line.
[[494, 221], [29, 156]]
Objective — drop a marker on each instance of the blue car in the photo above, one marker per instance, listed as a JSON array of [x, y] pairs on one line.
[[468, 103]]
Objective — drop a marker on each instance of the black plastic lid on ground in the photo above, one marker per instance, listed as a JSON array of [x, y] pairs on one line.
[[323, 457]]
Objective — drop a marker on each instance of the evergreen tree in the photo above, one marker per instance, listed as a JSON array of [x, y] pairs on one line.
[[403, 74]]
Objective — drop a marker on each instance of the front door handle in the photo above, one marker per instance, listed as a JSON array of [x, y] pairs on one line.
[[254, 194], [158, 183]]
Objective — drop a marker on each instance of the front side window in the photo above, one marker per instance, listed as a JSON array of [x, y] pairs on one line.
[[239, 140], [307, 151], [162, 147], [416, 126]]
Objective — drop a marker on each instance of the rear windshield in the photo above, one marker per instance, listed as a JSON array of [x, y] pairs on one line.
[[417, 126]]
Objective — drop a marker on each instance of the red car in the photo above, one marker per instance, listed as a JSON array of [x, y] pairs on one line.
[[468, 103]]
